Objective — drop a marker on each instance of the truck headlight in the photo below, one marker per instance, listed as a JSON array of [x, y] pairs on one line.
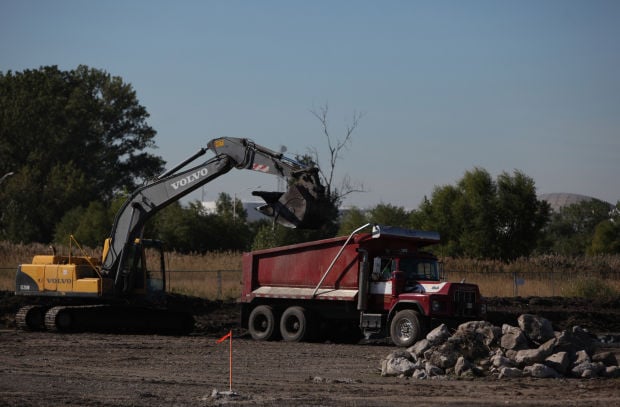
[[436, 306]]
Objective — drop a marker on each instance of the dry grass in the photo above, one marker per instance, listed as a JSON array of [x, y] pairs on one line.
[[217, 275], [225, 284], [567, 284], [542, 276]]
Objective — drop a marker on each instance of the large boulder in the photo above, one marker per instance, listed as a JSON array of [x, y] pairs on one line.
[[559, 362], [510, 372], [540, 371], [513, 338], [438, 335], [498, 361], [606, 358], [474, 339], [464, 368], [574, 340], [443, 356], [432, 370], [420, 347], [397, 363], [536, 328], [612, 372], [481, 331], [581, 357], [538, 355], [588, 370]]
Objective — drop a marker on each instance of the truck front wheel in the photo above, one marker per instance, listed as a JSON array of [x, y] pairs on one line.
[[294, 324], [262, 323], [405, 328]]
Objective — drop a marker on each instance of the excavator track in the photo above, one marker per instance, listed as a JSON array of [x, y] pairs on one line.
[[117, 319], [31, 318]]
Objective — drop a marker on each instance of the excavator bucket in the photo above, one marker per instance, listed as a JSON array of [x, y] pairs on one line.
[[301, 206]]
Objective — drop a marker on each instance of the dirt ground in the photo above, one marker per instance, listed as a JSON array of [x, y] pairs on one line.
[[89, 369]]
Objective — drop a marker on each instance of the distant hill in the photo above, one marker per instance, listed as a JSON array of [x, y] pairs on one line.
[[559, 200]]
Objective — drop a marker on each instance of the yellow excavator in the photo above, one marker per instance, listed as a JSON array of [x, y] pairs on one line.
[[120, 291]]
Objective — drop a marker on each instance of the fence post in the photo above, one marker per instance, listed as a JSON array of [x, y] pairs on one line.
[[515, 290], [219, 284]]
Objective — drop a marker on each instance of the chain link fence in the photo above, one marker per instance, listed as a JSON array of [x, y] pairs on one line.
[[211, 284], [227, 284], [539, 284]]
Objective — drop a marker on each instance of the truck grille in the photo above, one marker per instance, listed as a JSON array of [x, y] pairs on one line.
[[465, 303]]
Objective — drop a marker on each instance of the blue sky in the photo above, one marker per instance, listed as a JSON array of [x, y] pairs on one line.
[[444, 86]]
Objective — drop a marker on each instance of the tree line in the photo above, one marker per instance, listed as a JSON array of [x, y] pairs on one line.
[[502, 219], [74, 144]]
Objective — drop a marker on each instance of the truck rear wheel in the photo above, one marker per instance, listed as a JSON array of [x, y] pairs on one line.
[[262, 323], [294, 325], [405, 328]]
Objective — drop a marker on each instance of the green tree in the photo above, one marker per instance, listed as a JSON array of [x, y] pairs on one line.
[[571, 230], [174, 225], [388, 214], [272, 235], [228, 209], [439, 214], [70, 137], [352, 219], [477, 210], [231, 227], [192, 229], [483, 218], [89, 226], [521, 216], [606, 239]]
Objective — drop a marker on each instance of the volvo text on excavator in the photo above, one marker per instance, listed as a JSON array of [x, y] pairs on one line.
[[120, 291]]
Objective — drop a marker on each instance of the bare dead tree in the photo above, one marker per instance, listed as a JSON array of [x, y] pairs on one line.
[[335, 148]]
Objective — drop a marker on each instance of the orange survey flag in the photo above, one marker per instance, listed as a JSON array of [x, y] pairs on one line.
[[223, 338]]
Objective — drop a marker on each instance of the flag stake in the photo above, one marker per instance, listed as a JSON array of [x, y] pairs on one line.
[[230, 363], [222, 339]]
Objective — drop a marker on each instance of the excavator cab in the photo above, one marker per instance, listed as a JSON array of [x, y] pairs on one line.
[[142, 272]]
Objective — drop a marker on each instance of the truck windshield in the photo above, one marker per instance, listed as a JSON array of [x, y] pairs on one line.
[[417, 269]]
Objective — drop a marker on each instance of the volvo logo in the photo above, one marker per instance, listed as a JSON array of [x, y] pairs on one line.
[[59, 281], [189, 178]]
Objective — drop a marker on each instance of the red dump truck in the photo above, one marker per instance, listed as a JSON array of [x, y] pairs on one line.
[[381, 282]]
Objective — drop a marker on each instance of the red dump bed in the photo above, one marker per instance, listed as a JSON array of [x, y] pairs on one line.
[[295, 271]]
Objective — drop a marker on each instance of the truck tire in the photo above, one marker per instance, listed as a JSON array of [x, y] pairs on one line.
[[294, 325], [405, 328], [262, 323]]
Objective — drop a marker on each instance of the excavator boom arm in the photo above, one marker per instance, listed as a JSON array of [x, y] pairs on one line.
[[300, 206]]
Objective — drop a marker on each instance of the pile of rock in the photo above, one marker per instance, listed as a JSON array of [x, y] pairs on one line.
[[478, 348]]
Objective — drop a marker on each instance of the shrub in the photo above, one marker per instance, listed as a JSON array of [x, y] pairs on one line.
[[593, 288]]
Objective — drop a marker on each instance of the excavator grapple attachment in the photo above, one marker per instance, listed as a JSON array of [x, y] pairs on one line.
[[301, 206]]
